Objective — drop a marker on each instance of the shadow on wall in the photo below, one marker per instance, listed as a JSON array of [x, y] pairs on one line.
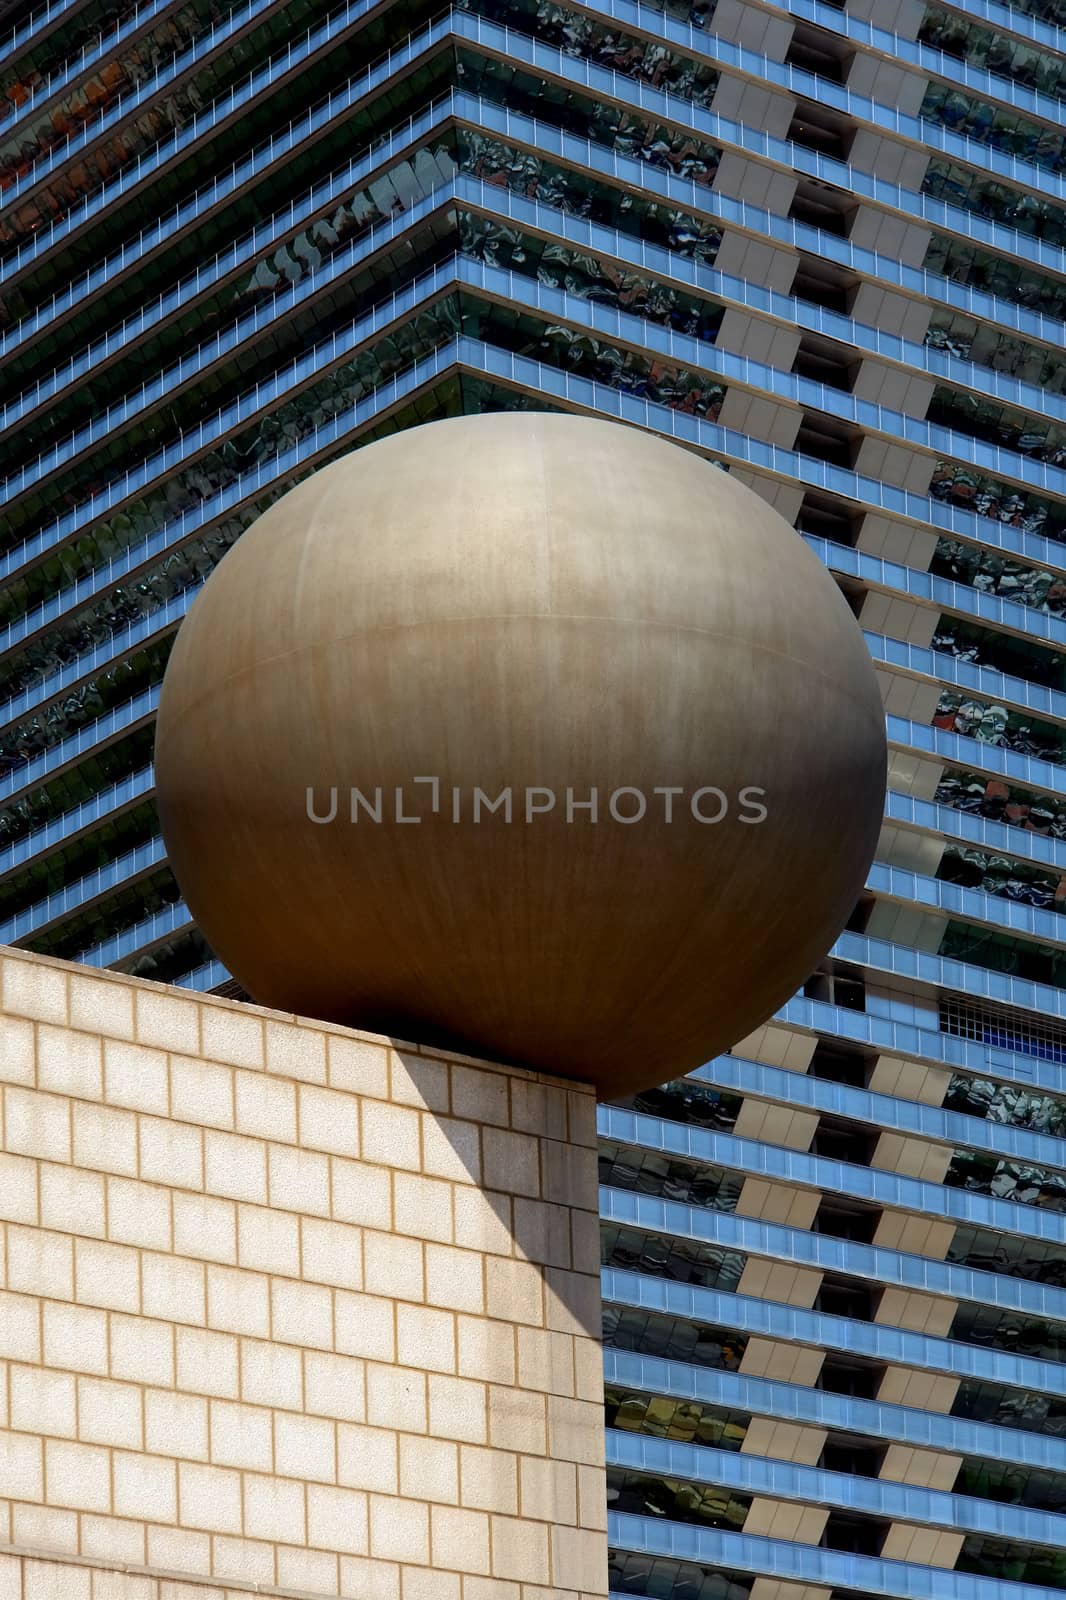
[[529, 1149]]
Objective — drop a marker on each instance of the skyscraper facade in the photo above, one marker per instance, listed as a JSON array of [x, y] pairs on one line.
[[823, 245]]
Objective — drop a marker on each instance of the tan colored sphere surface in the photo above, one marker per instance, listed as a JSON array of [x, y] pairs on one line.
[[523, 602]]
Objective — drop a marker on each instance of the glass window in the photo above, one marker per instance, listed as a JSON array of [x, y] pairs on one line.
[[981, 418], [1012, 1485], [999, 53], [585, 37], [969, 489], [682, 1260], [662, 1417], [1011, 1408], [1012, 1562], [978, 795], [988, 1250], [961, 713], [646, 1494], [653, 1334], [986, 345], [103, 844], [648, 1172], [687, 1100], [1002, 876], [1003, 1029], [661, 1578], [1000, 952], [999, 127], [1010, 1331], [122, 74], [995, 201], [993, 572], [981, 269]]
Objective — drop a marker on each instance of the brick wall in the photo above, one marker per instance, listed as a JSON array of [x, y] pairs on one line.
[[285, 1306]]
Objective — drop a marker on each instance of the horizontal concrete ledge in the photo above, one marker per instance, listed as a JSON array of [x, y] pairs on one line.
[[40, 1000], [155, 1575]]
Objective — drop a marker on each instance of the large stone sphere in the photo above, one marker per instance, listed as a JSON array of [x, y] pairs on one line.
[[537, 606]]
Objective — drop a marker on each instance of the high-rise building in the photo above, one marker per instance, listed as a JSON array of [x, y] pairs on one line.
[[825, 246]]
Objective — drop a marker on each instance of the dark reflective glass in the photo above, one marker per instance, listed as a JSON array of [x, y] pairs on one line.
[[1001, 54], [1011, 1408], [980, 417], [1007, 1103], [665, 1418], [986, 345], [999, 127], [646, 1495], [969, 489], [688, 1100], [681, 1260], [661, 1578], [964, 714], [996, 201], [648, 1172], [1008, 1330], [994, 572], [982, 269], [1010, 1561], [1001, 952], [987, 1250], [1007, 1180], [653, 1334]]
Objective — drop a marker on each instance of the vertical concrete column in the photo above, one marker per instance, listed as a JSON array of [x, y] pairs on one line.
[[884, 156], [916, 1158], [910, 1080], [902, 694], [908, 848], [889, 309], [890, 83], [759, 418], [919, 1158], [755, 105], [900, 464], [913, 774], [931, 1469], [902, 924], [789, 1285], [892, 386], [771, 1123], [906, 542], [925, 1391], [740, 255], [757, 30], [899, 618], [776, 1589], [798, 1286], [779, 1046], [901, 16], [785, 497]]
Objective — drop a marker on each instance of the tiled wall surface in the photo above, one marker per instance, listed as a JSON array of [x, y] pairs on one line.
[[285, 1307]]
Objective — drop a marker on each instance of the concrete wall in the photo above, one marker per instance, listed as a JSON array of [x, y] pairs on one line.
[[286, 1307]]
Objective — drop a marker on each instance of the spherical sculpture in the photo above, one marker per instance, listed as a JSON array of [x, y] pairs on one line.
[[534, 736]]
